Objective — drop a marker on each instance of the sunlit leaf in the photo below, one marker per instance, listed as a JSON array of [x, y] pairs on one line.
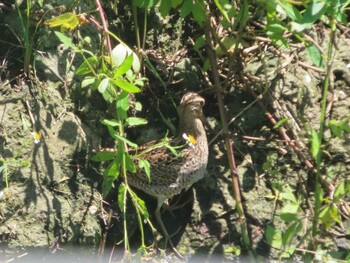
[[67, 21], [119, 54], [112, 122], [124, 67], [127, 86], [122, 105], [87, 81], [290, 208], [103, 156], [315, 144], [103, 85], [273, 237], [280, 123], [134, 121]]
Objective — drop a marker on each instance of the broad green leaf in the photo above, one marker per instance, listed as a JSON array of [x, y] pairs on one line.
[[134, 121], [122, 105], [103, 156], [199, 12], [186, 8], [273, 237], [129, 163], [121, 195], [136, 65], [144, 164], [290, 10], [314, 11], [87, 66], [119, 54], [138, 106], [112, 170], [315, 55], [112, 122], [124, 67], [87, 81], [288, 217], [103, 85], [315, 144], [64, 39], [290, 208], [67, 21], [339, 192], [107, 185], [292, 231], [288, 195], [127, 86], [165, 7]]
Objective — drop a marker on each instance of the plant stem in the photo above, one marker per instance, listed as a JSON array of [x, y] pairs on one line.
[[229, 150], [318, 189]]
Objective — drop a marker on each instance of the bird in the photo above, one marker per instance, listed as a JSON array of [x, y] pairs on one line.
[[171, 173]]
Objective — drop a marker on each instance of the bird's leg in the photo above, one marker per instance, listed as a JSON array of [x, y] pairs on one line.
[[165, 232]]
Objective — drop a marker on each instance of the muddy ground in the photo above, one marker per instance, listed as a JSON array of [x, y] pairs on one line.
[[53, 206]]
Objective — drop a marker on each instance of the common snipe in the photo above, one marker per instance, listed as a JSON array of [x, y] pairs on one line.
[[172, 173]]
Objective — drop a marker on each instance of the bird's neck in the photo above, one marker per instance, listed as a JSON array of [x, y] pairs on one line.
[[193, 127]]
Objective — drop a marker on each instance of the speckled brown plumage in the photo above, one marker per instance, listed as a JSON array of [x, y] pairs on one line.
[[169, 173]]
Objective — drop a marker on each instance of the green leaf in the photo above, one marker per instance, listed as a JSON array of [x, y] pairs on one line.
[[134, 121], [121, 194], [288, 217], [314, 11], [280, 123], [107, 185], [87, 66], [273, 237], [114, 134], [338, 127], [67, 21], [103, 85], [315, 55], [87, 81], [129, 163], [328, 215], [315, 144], [144, 164], [165, 7], [292, 231], [122, 105], [112, 171], [103, 156], [119, 54], [339, 192], [64, 39], [126, 86], [112, 122], [199, 12], [124, 67], [140, 205], [288, 195], [290, 208], [290, 10], [186, 8]]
